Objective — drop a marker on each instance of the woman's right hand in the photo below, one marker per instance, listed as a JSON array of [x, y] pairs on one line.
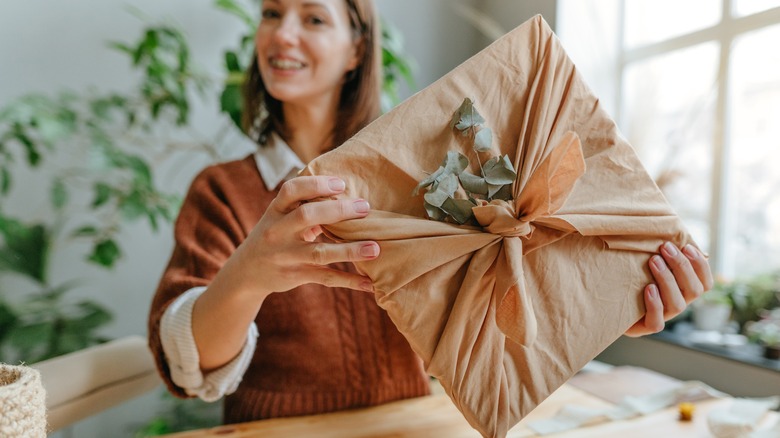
[[279, 254], [282, 253]]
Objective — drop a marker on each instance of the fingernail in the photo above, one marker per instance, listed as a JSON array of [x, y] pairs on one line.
[[361, 206], [652, 290], [336, 184], [690, 251], [369, 250], [367, 286], [670, 249], [658, 262]]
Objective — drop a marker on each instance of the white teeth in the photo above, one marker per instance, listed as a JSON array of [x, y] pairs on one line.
[[286, 64]]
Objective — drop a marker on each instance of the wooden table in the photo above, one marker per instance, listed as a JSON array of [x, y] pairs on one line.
[[436, 416]]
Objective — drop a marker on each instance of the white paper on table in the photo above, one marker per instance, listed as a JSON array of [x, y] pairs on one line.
[[572, 416]]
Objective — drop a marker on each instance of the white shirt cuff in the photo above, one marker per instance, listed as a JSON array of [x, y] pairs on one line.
[[181, 353]]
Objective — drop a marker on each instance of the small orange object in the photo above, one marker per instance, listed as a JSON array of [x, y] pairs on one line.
[[686, 411]]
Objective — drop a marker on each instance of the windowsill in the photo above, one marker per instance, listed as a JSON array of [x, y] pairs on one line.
[[750, 354]]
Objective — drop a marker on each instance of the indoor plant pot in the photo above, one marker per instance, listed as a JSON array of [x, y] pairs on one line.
[[766, 332], [22, 402], [712, 311]]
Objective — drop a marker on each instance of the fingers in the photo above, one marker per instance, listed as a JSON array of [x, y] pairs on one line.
[[311, 234], [653, 321], [305, 217], [671, 295], [700, 265], [306, 188], [327, 253], [335, 278], [681, 277], [312, 214], [685, 276]]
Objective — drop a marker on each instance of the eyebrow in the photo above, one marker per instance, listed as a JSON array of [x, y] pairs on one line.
[[305, 4], [316, 4]]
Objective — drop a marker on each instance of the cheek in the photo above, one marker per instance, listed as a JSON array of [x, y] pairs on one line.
[[260, 43], [263, 39], [339, 56]]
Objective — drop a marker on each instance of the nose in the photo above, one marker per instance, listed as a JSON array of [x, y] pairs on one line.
[[288, 31]]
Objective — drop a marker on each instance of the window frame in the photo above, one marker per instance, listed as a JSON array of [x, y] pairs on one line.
[[724, 32]]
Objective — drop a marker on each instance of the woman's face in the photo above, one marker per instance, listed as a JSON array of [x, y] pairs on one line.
[[304, 49]]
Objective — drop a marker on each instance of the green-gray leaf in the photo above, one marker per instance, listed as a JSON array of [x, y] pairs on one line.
[[483, 141], [466, 116], [499, 171], [443, 191], [493, 189], [458, 209], [455, 162], [504, 193], [428, 181], [474, 184], [434, 213]]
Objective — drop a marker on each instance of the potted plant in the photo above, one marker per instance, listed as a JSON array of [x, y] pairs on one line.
[[753, 296], [766, 332], [712, 310]]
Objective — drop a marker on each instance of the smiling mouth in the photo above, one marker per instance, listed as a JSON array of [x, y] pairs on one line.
[[285, 64]]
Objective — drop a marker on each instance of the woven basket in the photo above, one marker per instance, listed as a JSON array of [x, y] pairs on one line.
[[22, 402]]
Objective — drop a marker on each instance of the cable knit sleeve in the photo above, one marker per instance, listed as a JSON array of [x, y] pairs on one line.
[[222, 205]]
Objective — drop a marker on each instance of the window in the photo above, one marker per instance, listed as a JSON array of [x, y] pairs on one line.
[[695, 87]]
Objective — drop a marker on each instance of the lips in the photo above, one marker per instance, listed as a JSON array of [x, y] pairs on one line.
[[285, 63]]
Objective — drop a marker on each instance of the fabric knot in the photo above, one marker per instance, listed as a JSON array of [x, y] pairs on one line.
[[497, 217], [542, 194]]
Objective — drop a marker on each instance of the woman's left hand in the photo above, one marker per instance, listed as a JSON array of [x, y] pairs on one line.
[[681, 276]]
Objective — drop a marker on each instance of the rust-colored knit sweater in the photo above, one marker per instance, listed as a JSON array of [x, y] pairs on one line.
[[319, 349]]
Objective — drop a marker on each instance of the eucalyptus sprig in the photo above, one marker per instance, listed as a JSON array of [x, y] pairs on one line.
[[495, 182]]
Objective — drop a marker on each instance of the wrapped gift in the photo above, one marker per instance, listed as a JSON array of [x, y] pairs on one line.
[[505, 309]]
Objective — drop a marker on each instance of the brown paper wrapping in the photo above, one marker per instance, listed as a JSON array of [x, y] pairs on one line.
[[505, 313]]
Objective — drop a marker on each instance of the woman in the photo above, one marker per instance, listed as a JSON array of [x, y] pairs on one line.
[[249, 259]]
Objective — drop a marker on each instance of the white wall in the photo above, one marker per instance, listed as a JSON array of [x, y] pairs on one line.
[[47, 46], [439, 38]]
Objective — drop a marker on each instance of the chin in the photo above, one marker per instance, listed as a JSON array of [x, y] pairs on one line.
[[285, 97]]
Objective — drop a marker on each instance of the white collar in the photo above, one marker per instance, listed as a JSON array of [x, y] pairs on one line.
[[277, 162]]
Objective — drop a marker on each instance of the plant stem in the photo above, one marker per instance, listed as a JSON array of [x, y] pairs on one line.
[[474, 139]]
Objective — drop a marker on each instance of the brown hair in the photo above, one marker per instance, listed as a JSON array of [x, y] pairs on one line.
[[359, 103]]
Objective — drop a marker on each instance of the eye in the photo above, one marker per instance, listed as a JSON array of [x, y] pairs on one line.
[[270, 13], [315, 20]]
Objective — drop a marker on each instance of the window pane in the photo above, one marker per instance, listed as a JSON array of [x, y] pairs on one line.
[[755, 153], [668, 113], [747, 7], [650, 21]]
